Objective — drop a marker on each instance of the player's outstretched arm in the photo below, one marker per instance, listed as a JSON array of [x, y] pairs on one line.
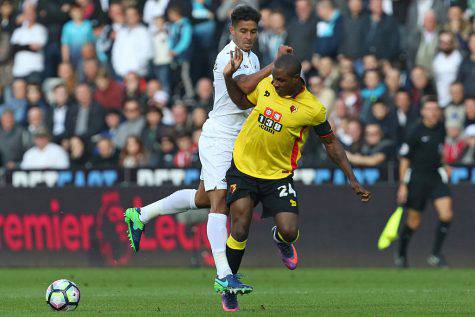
[[234, 92], [247, 83], [338, 155]]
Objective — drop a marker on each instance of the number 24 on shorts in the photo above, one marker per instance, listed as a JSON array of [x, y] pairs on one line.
[[286, 190]]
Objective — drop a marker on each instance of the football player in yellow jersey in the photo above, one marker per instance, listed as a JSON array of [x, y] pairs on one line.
[[266, 153]]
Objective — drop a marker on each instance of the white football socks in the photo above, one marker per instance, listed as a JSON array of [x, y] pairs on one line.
[[217, 236], [180, 201]]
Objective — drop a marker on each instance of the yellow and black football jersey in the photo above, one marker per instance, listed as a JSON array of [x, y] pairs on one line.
[[269, 144]]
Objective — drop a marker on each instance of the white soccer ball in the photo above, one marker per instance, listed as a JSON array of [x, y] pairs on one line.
[[63, 295]]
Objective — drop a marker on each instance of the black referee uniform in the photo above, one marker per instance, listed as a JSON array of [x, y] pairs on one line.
[[426, 180]]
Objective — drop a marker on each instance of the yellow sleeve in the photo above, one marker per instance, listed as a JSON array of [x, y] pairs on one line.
[[252, 97], [320, 116]]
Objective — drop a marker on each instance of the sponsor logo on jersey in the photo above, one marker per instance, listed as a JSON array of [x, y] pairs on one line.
[[270, 120], [266, 93]]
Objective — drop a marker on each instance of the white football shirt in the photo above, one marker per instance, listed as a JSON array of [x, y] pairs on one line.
[[226, 119]]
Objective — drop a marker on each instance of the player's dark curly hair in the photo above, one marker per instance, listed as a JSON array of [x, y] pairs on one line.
[[244, 13]]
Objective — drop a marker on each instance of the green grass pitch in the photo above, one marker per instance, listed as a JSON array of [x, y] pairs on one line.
[[278, 292]]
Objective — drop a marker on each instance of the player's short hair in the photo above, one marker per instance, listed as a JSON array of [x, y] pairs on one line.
[[290, 64], [244, 13]]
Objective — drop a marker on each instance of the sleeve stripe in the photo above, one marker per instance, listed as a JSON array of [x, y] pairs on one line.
[[326, 135]]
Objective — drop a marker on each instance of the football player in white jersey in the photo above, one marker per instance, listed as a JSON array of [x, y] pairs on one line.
[[215, 150]]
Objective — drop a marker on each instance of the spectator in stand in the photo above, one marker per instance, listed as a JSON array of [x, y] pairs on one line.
[[180, 50], [28, 42], [35, 122], [133, 89], [133, 155], [109, 94], [405, 114], [370, 62], [153, 87], [7, 26], [34, 98], [455, 111], [423, 42], [375, 149], [458, 26], [468, 155], [85, 118], [374, 90], [106, 34], [329, 29], [53, 15], [328, 72], [18, 103], [445, 66], [67, 75], [56, 116], [154, 9], [350, 94], [112, 121], [454, 142], [187, 154], [167, 152], [78, 156], [466, 72], [106, 154], [76, 33], [153, 131], [421, 86], [353, 35], [339, 117], [270, 40], [89, 67], [300, 30], [392, 81], [418, 9], [161, 53], [132, 48], [198, 118], [382, 115], [45, 155], [13, 140], [469, 111], [133, 124], [204, 94], [382, 37], [324, 94], [180, 116], [355, 131]]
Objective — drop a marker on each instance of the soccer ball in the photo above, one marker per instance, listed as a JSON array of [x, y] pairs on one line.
[[63, 295]]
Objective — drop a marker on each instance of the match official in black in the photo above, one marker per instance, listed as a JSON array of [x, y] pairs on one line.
[[424, 177]]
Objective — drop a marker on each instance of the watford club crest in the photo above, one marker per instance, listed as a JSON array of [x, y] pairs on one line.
[[293, 109], [233, 188]]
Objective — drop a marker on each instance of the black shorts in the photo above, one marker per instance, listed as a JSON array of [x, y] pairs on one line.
[[422, 188], [276, 195]]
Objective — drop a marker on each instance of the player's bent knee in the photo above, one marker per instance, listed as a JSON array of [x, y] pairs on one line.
[[289, 233], [240, 231]]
